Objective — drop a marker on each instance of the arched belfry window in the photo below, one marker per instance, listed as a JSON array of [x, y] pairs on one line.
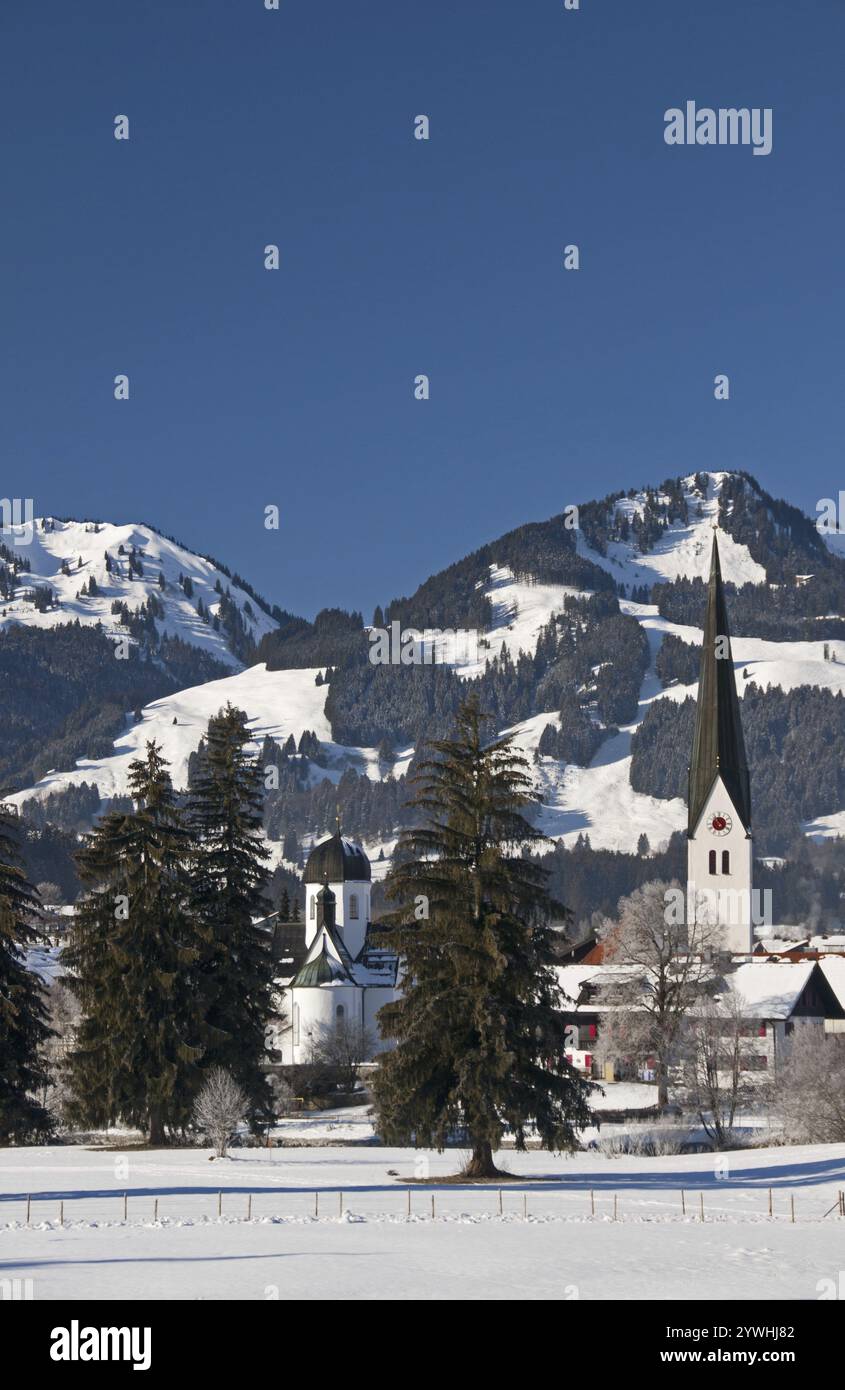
[[339, 1012], [353, 907], [313, 912], [712, 858], [726, 861]]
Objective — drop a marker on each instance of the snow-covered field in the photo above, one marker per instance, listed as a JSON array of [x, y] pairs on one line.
[[362, 1244]]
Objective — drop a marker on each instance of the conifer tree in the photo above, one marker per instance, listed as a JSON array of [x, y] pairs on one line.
[[479, 1028], [23, 1011], [133, 956], [284, 906], [228, 877]]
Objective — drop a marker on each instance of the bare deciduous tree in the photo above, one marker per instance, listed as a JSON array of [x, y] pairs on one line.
[[219, 1108], [341, 1050], [810, 1092], [283, 1097], [660, 968], [714, 1080]]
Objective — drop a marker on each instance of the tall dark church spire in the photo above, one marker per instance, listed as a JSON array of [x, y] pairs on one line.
[[718, 748]]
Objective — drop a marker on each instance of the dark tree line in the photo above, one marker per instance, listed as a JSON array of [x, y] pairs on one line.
[[66, 696], [789, 612]]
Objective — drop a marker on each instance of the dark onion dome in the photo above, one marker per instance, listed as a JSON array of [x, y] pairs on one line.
[[337, 861]]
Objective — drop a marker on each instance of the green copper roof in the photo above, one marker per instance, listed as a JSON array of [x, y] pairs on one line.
[[324, 969], [718, 748]]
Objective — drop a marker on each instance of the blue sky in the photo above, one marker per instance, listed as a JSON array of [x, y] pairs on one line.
[[401, 257]]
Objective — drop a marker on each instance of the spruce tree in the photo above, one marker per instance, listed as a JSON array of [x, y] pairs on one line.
[[479, 1027], [23, 1010], [228, 877], [133, 955], [284, 906]]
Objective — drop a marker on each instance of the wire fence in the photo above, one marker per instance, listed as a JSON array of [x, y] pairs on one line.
[[420, 1202]]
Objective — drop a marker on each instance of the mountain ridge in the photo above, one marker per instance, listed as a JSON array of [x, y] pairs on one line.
[[548, 645]]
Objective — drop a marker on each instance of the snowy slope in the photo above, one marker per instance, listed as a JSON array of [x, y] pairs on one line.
[[278, 703], [521, 609], [520, 612], [72, 541], [684, 551], [599, 800]]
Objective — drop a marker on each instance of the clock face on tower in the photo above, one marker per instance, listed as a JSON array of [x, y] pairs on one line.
[[720, 823]]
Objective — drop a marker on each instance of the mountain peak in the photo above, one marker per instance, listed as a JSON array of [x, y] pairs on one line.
[[98, 572]]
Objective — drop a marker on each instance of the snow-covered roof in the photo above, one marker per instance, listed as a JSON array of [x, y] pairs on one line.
[[833, 969], [769, 989], [572, 978], [828, 943]]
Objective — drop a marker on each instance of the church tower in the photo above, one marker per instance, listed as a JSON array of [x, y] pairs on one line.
[[719, 845]]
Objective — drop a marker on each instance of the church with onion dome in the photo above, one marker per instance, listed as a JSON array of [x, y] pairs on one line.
[[330, 974]]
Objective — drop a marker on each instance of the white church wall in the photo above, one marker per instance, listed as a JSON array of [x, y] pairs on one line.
[[728, 890], [314, 1012], [352, 912]]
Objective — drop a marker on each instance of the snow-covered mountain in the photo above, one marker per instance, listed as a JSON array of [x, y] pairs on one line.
[[597, 800], [683, 551], [127, 564]]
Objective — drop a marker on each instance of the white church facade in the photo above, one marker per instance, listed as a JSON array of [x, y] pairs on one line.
[[336, 978]]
